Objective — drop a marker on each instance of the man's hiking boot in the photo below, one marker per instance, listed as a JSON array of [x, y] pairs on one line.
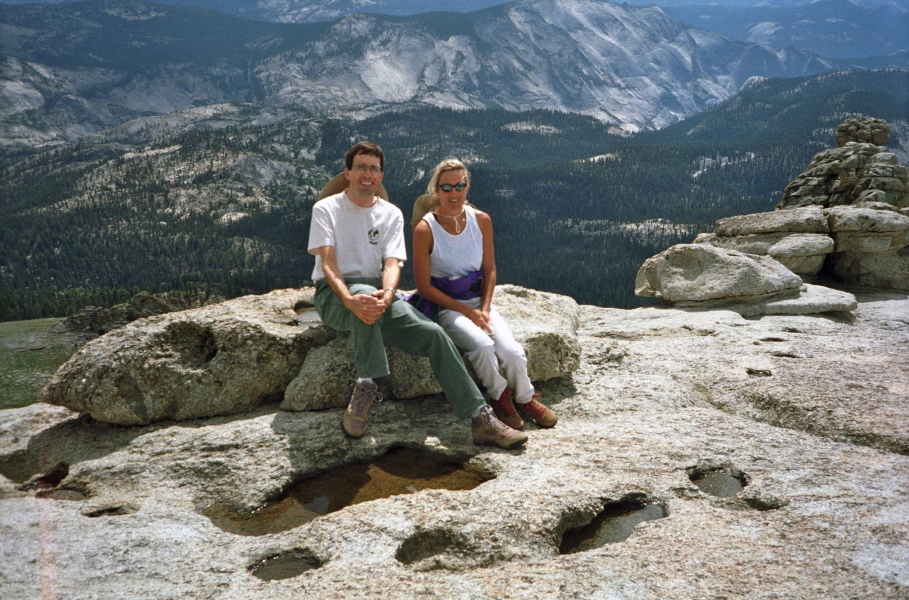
[[505, 411], [363, 396], [489, 431], [543, 416]]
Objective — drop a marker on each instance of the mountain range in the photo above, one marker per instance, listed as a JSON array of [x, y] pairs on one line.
[[302, 11], [832, 28], [70, 69]]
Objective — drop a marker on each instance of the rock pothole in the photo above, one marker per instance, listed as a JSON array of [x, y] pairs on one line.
[[52, 483], [195, 343], [614, 523], [763, 502], [722, 481], [400, 471], [285, 565], [70, 494], [434, 549], [728, 483]]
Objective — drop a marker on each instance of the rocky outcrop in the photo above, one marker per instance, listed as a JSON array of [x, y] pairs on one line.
[[863, 245], [703, 273], [235, 356], [859, 169], [795, 238], [860, 245], [872, 247], [805, 416], [215, 360], [862, 130], [703, 277], [822, 236]]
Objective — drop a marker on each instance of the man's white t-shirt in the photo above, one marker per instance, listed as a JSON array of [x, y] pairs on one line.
[[362, 237]]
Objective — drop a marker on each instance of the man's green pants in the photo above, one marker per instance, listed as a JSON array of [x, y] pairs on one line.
[[403, 326]]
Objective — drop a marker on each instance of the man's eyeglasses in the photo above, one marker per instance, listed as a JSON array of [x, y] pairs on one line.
[[447, 187], [361, 168]]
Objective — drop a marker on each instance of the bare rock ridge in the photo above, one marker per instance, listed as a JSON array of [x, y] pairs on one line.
[[746, 438], [845, 219], [805, 415]]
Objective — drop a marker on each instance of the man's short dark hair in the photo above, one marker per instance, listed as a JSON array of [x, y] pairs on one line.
[[370, 148]]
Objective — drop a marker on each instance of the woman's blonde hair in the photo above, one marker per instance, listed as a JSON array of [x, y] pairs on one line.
[[444, 167]]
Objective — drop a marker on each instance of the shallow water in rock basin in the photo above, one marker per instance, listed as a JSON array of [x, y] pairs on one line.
[[614, 524], [283, 567], [719, 484], [401, 471]]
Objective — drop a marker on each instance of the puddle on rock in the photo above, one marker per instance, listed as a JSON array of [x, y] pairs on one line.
[[401, 471], [614, 524], [307, 315], [284, 566], [719, 483]]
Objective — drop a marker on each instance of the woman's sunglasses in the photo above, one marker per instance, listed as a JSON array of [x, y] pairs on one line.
[[447, 187]]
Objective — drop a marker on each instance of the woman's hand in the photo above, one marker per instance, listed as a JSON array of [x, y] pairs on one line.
[[481, 319]]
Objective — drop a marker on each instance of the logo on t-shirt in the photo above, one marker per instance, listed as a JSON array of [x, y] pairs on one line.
[[373, 236]]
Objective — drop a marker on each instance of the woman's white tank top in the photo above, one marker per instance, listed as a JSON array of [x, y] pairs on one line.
[[455, 256]]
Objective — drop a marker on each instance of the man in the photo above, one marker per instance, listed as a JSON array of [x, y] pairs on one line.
[[358, 240]]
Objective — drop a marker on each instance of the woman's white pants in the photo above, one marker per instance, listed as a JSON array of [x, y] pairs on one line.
[[499, 360]]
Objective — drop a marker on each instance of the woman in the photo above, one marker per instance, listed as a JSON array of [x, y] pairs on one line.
[[454, 267]]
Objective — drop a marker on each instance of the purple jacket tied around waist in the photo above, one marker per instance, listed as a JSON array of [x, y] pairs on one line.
[[462, 288]]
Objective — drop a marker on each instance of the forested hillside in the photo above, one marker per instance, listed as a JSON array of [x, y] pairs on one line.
[[214, 207]]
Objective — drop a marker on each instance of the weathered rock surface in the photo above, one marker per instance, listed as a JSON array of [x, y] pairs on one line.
[[863, 130], [809, 412], [871, 247], [862, 245], [235, 356], [862, 229], [873, 269], [807, 300], [704, 273], [804, 220], [801, 253], [215, 360]]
